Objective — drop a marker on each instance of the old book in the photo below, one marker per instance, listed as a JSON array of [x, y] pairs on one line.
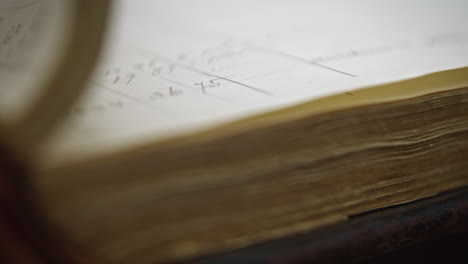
[[213, 125]]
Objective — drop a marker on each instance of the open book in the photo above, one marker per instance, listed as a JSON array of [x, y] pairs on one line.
[[212, 125]]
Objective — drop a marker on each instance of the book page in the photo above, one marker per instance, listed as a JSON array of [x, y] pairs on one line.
[[175, 67]]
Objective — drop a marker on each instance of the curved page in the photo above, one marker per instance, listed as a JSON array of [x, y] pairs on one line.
[[177, 67]]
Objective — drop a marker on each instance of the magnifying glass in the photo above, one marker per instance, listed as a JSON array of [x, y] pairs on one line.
[[47, 49]]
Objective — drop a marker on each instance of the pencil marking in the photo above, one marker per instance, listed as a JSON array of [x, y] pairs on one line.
[[310, 62]]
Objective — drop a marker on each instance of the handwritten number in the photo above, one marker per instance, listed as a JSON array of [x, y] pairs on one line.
[[202, 85]]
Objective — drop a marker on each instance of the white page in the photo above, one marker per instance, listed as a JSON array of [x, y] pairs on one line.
[[174, 67]]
